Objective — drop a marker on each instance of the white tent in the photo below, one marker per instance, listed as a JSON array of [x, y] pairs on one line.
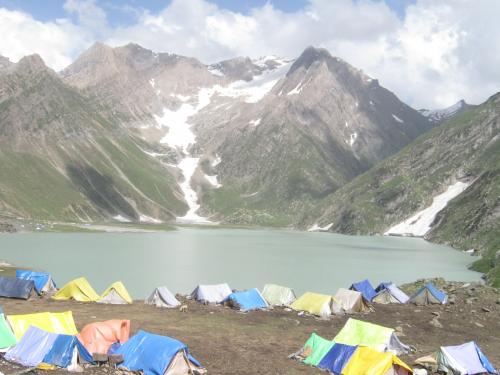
[[389, 293], [162, 297], [277, 295], [211, 293], [348, 301]]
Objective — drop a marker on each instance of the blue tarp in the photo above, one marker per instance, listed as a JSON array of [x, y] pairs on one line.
[[62, 349], [39, 278], [248, 300], [151, 353], [486, 363], [365, 288], [336, 358], [15, 288], [32, 348]]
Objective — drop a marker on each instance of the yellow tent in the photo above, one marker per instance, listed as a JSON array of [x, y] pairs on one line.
[[314, 303], [61, 323], [116, 294], [367, 361], [79, 290]]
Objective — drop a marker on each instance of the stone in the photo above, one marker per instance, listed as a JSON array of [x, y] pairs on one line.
[[436, 323], [436, 313], [485, 309], [479, 324]]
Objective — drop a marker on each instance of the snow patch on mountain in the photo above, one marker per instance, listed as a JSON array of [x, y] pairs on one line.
[[317, 228], [213, 181], [297, 89], [397, 119], [215, 71], [420, 223], [438, 115], [352, 139], [121, 219], [149, 219], [255, 122]]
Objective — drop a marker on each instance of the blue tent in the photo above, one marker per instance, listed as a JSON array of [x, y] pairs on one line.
[[429, 294], [152, 353], [336, 358], [248, 300], [42, 280], [62, 350], [365, 288], [16, 288], [32, 348]]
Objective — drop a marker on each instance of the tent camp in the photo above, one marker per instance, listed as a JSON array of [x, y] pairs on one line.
[[349, 301], [389, 293], [337, 358], [365, 288], [32, 347], [66, 352], [157, 355], [367, 361], [314, 303], [52, 322], [11, 287], [211, 293], [43, 281], [116, 294], [466, 359], [7, 338], [277, 295], [98, 337], [247, 300], [428, 294], [357, 332], [79, 290], [162, 297]]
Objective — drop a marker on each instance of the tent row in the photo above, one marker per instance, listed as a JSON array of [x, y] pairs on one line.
[[51, 340], [81, 290], [362, 348]]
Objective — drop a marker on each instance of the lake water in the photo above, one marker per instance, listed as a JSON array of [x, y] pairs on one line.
[[244, 258]]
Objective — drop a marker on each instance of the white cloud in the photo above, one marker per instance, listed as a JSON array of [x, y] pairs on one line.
[[439, 53]]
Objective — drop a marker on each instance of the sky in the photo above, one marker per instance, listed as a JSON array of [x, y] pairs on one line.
[[430, 53]]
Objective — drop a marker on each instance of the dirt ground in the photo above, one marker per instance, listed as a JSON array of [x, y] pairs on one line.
[[226, 341]]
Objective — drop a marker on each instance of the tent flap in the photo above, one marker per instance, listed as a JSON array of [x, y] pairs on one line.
[[313, 303], [247, 300], [16, 288], [79, 290], [277, 295], [52, 322]]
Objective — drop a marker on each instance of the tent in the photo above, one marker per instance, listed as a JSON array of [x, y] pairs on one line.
[[79, 290], [98, 337], [52, 322], [7, 338], [43, 281], [357, 332], [314, 303], [32, 347], [429, 294], [248, 300], [315, 349], [466, 359], [162, 297], [11, 287], [337, 358], [365, 288], [367, 361], [389, 293], [157, 355], [277, 295], [211, 293], [116, 294], [349, 301], [65, 352]]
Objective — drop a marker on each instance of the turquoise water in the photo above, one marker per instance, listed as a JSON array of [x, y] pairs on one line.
[[244, 258]]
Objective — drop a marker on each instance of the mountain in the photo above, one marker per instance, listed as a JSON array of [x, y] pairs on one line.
[[437, 116], [455, 166], [63, 158], [254, 141]]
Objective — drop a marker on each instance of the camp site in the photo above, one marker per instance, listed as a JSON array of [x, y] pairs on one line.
[[360, 329]]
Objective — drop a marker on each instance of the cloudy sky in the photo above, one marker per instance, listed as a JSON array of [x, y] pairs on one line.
[[431, 53]]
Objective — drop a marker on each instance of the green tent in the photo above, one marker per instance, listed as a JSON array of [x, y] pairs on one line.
[[357, 332], [316, 347], [7, 338]]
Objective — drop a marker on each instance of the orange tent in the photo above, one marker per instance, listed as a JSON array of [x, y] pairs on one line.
[[98, 337]]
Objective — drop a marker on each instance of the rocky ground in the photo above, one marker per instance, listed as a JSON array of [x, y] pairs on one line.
[[230, 342]]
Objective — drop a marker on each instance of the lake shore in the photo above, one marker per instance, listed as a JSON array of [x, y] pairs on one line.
[[228, 342]]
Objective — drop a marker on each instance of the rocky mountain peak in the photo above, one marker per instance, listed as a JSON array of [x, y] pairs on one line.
[[31, 64], [437, 116], [5, 63]]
